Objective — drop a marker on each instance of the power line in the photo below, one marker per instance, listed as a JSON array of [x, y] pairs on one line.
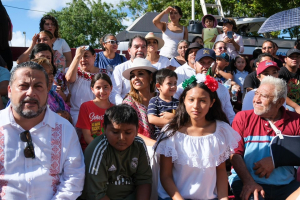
[[25, 9]]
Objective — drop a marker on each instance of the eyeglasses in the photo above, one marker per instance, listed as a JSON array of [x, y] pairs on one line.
[[267, 48], [29, 149], [113, 42], [220, 48], [262, 96]]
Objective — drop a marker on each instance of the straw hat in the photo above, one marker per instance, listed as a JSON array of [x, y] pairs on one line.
[[160, 41], [139, 63]]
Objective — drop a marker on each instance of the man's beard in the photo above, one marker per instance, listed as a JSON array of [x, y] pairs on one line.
[[28, 114], [266, 109]]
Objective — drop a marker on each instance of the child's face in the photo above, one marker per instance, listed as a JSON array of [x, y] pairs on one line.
[[209, 23], [221, 63], [199, 41], [169, 86], [120, 136], [240, 64], [197, 103], [101, 89]]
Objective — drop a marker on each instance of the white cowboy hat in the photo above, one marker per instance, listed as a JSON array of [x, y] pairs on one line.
[[160, 41], [139, 63]]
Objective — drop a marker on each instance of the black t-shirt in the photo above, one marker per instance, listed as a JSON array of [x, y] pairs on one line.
[[279, 62], [251, 81], [292, 85]]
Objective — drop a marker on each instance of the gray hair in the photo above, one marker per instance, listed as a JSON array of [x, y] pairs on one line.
[[104, 38], [31, 65], [181, 41], [279, 84]]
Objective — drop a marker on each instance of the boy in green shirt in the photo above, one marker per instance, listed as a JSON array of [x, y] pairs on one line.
[[117, 162]]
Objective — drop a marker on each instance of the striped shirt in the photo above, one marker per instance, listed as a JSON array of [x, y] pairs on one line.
[[157, 106]]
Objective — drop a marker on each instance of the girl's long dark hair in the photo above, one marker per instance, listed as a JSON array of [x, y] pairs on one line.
[[233, 67], [181, 117]]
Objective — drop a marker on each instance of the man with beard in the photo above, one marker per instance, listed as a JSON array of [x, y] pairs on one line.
[[254, 171], [40, 155], [137, 48]]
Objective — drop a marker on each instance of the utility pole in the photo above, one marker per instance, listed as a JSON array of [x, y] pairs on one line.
[[24, 33]]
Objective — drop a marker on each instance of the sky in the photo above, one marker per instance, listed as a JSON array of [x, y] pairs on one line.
[[28, 21]]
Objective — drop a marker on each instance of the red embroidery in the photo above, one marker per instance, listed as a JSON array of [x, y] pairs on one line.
[[56, 144], [3, 183]]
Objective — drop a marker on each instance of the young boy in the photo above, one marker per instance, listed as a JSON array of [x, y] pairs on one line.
[[222, 62], [162, 108], [117, 162]]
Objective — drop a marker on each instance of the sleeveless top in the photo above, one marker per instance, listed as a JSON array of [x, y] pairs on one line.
[[171, 40], [209, 34]]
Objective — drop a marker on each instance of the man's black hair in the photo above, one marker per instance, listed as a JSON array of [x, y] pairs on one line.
[[121, 114], [136, 36], [31, 65]]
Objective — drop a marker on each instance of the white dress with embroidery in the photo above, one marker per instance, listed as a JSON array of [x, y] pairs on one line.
[[80, 92], [195, 160]]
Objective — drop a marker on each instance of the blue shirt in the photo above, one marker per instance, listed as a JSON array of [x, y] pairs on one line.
[[4, 74], [109, 64], [157, 106]]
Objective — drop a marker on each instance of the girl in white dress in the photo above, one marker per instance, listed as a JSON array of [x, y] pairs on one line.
[[195, 144]]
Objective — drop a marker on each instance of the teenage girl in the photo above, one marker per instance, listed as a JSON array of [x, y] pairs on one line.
[[194, 145], [90, 119]]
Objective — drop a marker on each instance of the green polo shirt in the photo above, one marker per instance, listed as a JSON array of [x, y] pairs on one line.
[[115, 173]]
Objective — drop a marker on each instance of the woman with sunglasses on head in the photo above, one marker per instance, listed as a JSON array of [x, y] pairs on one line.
[[109, 58], [234, 42], [49, 23], [172, 32], [79, 76]]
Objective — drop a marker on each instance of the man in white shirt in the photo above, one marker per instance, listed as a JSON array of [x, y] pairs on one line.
[[203, 60], [40, 155], [187, 70], [137, 48]]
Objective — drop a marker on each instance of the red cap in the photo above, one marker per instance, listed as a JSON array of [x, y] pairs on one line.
[[262, 66]]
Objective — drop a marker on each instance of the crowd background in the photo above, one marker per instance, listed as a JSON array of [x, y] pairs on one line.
[[162, 88]]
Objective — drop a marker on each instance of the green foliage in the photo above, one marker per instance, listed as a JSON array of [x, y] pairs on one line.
[[86, 21], [233, 8]]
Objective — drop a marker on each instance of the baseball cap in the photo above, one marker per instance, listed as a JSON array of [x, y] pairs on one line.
[[205, 53], [262, 66], [224, 56], [291, 51]]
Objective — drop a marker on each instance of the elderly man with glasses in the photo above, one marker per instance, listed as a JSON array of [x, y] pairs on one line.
[[40, 155], [253, 169]]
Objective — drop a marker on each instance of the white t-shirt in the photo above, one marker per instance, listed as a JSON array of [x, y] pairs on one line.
[[248, 100], [195, 159], [162, 62], [61, 45], [184, 72], [239, 77], [121, 86]]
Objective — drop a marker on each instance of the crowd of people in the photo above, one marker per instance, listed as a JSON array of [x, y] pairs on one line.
[[189, 122]]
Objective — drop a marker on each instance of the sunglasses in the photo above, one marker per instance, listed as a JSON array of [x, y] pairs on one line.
[[220, 48], [113, 42], [29, 149]]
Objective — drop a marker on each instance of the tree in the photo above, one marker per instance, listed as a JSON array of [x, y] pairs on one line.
[[84, 22], [232, 8]]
